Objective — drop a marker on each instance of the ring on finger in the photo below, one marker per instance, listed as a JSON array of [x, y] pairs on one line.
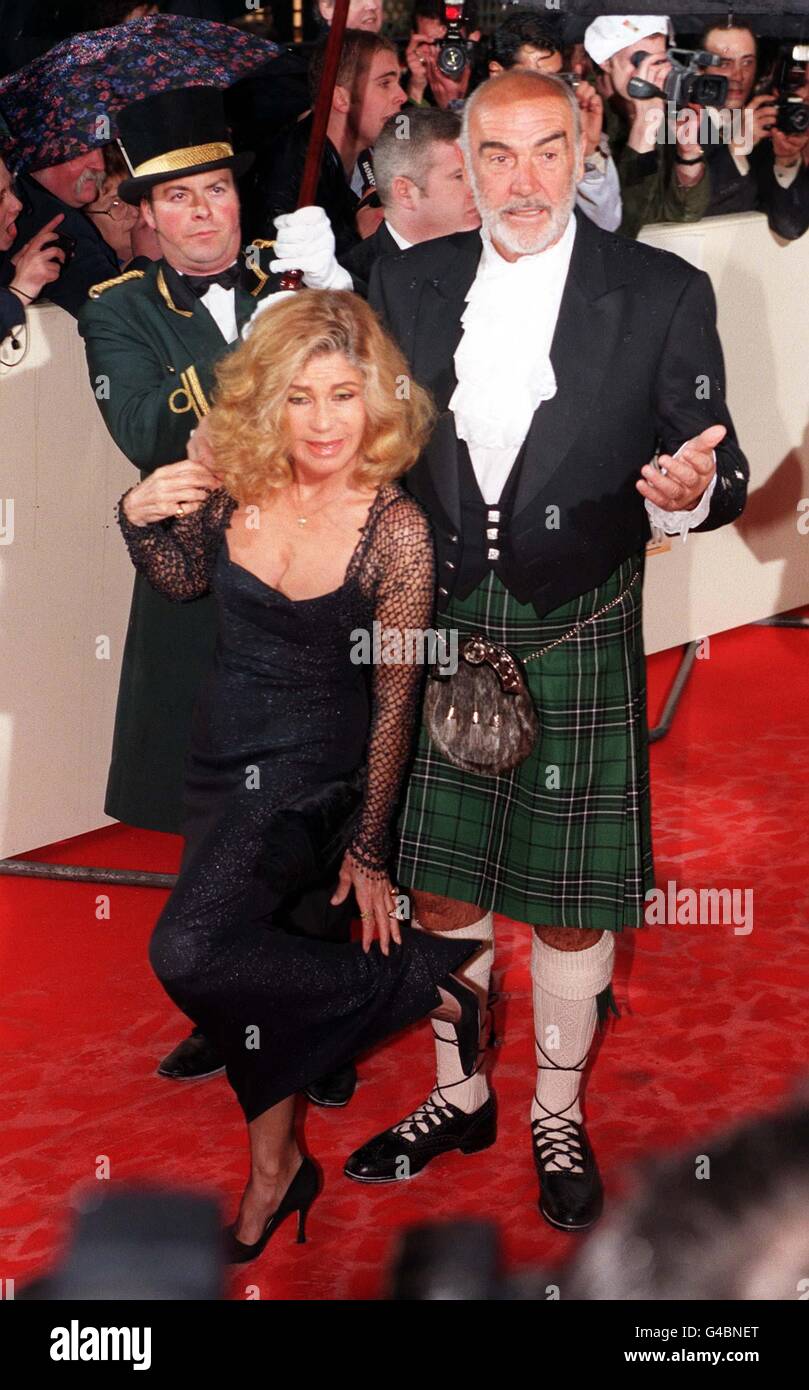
[[180, 510]]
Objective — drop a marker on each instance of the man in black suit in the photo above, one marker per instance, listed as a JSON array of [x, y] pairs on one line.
[[563, 358], [421, 184]]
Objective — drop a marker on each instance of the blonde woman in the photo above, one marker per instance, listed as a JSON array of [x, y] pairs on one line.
[[297, 752]]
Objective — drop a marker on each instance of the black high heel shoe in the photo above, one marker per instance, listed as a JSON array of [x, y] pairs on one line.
[[298, 1197], [467, 1029]]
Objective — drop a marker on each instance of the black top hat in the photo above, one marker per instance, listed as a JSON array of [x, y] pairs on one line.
[[169, 134]]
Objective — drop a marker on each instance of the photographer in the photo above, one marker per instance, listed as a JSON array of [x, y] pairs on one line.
[[659, 182], [427, 84], [35, 265], [529, 41], [752, 165]]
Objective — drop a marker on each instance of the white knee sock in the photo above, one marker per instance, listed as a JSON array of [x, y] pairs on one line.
[[565, 987], [468, 1093]]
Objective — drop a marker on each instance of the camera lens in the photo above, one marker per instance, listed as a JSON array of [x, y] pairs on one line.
[[712, 91], [452, 59]]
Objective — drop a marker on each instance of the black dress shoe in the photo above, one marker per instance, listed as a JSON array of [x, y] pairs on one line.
[[336, 1088], [569, 1201], [192, 1059], [435, 1128]]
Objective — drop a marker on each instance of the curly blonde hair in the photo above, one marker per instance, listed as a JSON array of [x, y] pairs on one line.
[[248, 427]]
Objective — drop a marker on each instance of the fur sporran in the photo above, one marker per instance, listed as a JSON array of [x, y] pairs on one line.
[[482, 718]]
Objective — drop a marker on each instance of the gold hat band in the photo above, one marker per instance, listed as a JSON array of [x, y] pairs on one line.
[[183, 159]]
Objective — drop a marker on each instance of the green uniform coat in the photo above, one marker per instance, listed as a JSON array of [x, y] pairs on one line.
[[151, 365]]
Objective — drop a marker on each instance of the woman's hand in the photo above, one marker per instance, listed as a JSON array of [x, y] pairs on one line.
[[376, 898], [183, 485], [38, 263]]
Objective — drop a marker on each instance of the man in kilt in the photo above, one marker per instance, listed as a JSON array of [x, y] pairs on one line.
[[581, 385]]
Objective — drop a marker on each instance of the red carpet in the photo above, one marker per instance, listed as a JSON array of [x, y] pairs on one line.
[[712, 1026]]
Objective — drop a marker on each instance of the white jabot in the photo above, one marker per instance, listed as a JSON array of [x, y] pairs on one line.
[[402, 244], [502, 362]]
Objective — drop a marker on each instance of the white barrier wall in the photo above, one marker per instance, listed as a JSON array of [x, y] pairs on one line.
[[66, 581], [759, 566], [65, 586]]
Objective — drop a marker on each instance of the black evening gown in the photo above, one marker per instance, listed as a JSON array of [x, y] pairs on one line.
[[297, 752]]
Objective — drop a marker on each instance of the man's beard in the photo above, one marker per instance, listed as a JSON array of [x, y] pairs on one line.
[[524, 241]]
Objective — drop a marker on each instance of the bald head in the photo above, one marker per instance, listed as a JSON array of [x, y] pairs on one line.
[[520, 87], [521, 145]]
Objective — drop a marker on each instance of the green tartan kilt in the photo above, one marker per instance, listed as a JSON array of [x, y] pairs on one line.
[[565, 839]]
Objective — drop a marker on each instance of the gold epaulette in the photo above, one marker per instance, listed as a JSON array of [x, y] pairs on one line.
[[96, 290]]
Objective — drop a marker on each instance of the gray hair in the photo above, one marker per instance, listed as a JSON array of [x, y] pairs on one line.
[[405, 147], [546, 80]]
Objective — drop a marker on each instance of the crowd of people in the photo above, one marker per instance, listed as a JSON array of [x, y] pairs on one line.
[[66, 229], [462, 244]]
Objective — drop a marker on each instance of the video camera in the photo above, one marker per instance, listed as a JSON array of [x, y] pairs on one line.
[[687, 84], [789, 75]]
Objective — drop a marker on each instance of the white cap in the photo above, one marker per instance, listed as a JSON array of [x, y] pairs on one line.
[[608, 34]]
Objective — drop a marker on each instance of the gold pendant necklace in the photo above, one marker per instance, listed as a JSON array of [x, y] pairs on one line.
[[304, 520]]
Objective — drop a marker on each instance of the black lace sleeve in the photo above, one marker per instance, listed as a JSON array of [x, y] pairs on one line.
[[177, 556], [401, 566]]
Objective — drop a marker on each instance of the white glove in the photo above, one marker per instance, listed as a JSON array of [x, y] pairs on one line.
[[305, 241]]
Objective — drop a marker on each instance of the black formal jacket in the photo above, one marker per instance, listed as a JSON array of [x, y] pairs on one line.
[[638, 367], [93, 259], [360, 259], [277, 180], [758, 190]]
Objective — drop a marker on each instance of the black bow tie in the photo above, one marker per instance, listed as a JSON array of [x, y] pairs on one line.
[[228, 279]]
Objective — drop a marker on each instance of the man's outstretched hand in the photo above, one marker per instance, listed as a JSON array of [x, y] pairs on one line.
[[679, 481]]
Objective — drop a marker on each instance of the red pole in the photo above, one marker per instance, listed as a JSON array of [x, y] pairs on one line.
[[293, 279]]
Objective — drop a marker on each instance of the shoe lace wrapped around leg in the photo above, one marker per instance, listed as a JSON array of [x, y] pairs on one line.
[[556, 1139]]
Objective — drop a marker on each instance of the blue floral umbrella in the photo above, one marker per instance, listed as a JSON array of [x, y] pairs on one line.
[[64, 102]]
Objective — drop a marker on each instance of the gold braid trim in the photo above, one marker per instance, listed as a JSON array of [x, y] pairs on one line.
[[95, 291], [183, 159], [163, 291], [195, 386]]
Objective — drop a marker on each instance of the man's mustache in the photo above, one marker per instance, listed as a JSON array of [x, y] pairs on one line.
[[531, 206], [94, 176]]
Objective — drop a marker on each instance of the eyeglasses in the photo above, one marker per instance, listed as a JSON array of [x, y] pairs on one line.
[[118, 210]]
